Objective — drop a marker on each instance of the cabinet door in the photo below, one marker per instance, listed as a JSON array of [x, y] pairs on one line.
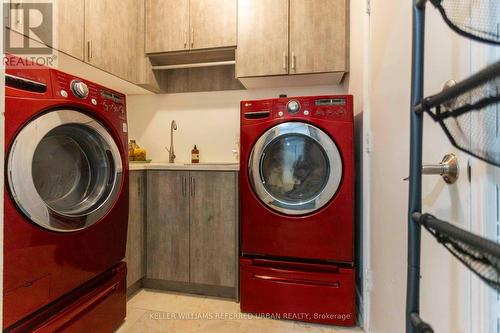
[[68, 28], [318, 36], [262, 38], [111, 32], [212, 23], [213, 228], [167, 25], [167, 248], [136, 222], [71, 27]]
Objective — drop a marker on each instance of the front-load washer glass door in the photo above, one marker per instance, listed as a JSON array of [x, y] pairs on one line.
[[295, 168], [64, 170]]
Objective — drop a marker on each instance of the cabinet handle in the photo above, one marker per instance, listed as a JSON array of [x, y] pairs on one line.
[[184, 186], [90, 49], [192, 37], [293, 60], [185, 38], [285, 60], [193, 186]]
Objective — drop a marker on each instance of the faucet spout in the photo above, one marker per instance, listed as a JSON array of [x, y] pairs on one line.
[[171, 152]]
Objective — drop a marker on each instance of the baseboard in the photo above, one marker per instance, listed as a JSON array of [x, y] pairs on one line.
[[133, 289], [190, 288]]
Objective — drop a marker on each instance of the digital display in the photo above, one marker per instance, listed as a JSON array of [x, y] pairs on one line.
[[330, 101]]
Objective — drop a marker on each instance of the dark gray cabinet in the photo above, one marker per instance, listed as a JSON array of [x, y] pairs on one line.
[[213, 215], [136, 228], [167, 226], [192, 230]]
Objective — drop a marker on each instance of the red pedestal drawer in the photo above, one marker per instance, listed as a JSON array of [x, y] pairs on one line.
[[99, 308], [298, 291]]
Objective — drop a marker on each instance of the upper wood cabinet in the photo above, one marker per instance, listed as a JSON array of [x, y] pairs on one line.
[[167, 25], [111, 34], [262, 38], [213, 23], [287, 37], [189, 24], [68, 33], [318, 36]]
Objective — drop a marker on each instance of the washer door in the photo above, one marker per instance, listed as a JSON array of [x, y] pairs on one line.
[[64, 170], [295, 168]]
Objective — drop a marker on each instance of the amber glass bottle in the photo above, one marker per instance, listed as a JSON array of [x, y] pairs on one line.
[[195, 155]]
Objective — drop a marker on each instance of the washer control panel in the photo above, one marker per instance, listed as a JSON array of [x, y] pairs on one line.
[[82, 91], [335, 107]]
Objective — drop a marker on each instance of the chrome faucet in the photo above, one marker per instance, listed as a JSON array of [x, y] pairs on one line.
[[171, 153]]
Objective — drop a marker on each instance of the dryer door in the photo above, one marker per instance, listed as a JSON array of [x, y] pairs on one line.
[[295, 168], [64, 170]]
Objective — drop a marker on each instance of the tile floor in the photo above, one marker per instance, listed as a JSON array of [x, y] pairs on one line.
[[151, 311]]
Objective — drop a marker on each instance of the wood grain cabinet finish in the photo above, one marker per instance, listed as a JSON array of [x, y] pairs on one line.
[[213, 215], [288, 37], [167, 25], [192, 221], [167, 247], [181, 25], [111, 34], [212, 23], [135, 254], [262, 38], [68, 24], [318, 36]]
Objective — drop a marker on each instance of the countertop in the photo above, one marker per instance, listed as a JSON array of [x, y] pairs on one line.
[[184, 166]]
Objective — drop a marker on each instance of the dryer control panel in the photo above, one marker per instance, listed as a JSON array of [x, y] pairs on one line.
[[335, 108]]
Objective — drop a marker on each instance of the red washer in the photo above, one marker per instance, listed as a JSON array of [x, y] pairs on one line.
[[66, 186], [297, 206]]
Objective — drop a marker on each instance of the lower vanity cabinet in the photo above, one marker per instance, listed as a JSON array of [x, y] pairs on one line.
[[134, 256], [213, 215], [167, 241], [192, 220]]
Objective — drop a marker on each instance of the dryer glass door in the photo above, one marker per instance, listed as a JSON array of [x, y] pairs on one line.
[[295, 168], [64, 170]]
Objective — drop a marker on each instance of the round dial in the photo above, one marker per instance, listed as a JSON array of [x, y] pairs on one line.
[[79, 89], [293, 107]]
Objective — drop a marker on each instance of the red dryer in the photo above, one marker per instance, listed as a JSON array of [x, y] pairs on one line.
[[297, 208], [66, 202]]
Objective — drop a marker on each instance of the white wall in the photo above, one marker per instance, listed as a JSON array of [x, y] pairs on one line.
[[210, 120]]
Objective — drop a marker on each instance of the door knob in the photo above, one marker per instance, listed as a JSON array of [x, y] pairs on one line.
[[448, 169]]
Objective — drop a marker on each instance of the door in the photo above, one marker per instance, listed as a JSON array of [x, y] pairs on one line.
[[262, 38], [212, 23], [318, 36], [64, 171], [295, 168], [135, 237], [486, 185], [167, 247], [448, 202], [213, 228], [111, 33], [167, 25]]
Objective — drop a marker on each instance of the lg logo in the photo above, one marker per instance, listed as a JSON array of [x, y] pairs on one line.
[[30, 27]]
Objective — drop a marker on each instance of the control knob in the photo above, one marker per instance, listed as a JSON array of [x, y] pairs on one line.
[[79, 89], [293, 107]]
